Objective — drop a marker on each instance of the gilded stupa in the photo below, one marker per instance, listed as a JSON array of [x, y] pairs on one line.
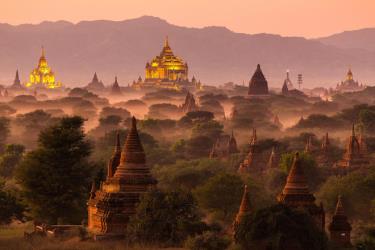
[[42, 75], [166, 71]]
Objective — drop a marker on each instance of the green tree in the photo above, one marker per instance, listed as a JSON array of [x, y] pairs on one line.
[[10, 207], [207, 241], [357, 190], [4, 131], [56, 176], [279, 228], [221, 194], [10, 159], [165, 218]]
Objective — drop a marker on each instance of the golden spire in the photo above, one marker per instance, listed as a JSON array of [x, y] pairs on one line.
[[43, 53], [166, 43]]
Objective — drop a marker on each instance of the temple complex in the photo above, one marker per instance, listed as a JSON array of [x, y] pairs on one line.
[[43, 76], [167, 71], [340, 228], [189, 105], [224, 146], [95, 84], [349, 84], [116, 89], [253, 161], [128, 177], [296, 194], [354, 157], [258, 85]]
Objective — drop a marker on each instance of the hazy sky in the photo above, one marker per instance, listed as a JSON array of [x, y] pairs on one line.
[[309, 18]]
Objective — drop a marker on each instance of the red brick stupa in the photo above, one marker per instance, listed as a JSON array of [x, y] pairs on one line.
[[296, 194], [110, 207], [340, 228]]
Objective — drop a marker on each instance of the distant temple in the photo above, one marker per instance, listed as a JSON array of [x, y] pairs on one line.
[[167, 71], [323, 158], [287, 82], [224, 146], [42, 75], [296, 194], [253, 161], [309, 149], [16, 83], [95, 84], [349, 85], [116, 89], [189, 105], [354, 156], [128, 177], [339, 227], [258, 85]]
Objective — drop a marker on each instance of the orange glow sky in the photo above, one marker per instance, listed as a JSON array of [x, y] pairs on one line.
[[309, 18]]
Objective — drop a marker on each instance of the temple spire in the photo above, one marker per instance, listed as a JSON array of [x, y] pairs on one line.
[[244, 207], [115, 159], [132, 153], [93, 190], [340, 227], [43, 52], [166, 43]]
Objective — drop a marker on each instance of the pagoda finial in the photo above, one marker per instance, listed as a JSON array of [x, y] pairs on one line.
[[339, 207], [93, 190], [166, 43], [43, 53], [17, 78]]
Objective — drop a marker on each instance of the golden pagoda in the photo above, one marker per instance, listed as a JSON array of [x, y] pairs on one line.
[[42, 75], [166, 71]]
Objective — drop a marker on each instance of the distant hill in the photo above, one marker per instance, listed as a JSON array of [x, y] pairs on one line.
[[215, 54], [356, 39]]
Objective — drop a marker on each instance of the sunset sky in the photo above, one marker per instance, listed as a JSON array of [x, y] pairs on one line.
[[286, 17]]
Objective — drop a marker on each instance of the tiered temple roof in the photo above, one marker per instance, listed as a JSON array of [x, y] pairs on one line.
[[339, 227], [115, 89], [189, 104], [258, 84], [253, 160], [224, 146], [296, 193], [353, 157], [16, 83], [42, 75], [110, 207], [95, 84]]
